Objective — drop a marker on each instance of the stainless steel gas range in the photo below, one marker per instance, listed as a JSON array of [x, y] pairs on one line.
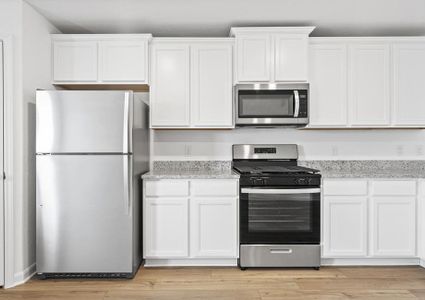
[[279, 207]]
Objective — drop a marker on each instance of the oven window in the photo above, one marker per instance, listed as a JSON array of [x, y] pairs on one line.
[[280, 213], [277, 103]]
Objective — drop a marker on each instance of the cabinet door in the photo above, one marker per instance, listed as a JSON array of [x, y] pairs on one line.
[[170, 85], [408, 84], [211, 85], [75, 61], [166, 228], [345, 226], [291, 57], [123, 61], [369, 96], [328, 85], [213, 227], [253, 57], [393, 226]]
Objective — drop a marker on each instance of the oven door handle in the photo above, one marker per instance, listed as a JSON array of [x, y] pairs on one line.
[[279, 191]]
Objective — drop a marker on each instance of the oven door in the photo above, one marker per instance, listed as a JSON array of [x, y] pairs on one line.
[[279, 215]]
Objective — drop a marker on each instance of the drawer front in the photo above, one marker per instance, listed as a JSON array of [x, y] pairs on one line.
[[345, 187], [214, 187], [394, 187], [167, 188]]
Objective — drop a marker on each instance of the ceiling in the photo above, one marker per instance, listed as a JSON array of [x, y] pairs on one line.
[[215, 17]]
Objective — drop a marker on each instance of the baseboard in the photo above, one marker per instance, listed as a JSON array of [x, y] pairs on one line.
[[25, 275], [422, 262], [371, 261], [232, 262]]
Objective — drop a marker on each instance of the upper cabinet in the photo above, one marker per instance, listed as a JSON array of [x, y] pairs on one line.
[[368, 85], [408, 62], [100, 58], [367, 82], [191, 83], [271, 54]]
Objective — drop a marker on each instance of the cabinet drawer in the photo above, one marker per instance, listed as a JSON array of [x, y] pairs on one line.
[[345, 187], [394, 187], [214, 187], [167, 188]]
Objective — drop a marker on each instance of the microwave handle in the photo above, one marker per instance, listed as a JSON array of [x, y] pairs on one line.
[[297, 103]]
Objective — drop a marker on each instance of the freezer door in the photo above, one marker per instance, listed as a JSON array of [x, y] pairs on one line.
[[84, 213], [84, 121]]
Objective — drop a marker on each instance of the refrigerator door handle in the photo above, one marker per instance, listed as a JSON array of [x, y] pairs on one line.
[[127, 185], [126, 133]]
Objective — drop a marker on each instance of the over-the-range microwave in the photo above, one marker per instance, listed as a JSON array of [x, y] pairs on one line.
[[272, 104]]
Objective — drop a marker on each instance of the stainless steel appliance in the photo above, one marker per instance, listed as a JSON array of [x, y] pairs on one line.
[[92, 147], [272, 104], [279, 207]]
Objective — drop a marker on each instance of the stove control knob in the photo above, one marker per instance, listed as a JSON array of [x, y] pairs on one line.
[[257, 181]]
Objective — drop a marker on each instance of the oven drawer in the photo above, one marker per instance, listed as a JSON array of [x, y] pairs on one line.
[[279, 256]]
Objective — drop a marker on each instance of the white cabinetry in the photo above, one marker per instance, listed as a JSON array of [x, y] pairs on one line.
[[213, 226], [368, 87], [100, 58], [370, 219], [167, 232], [367, 82], [75, 61], [408, 82], [190, 222], [328, 84], [271, 54], [170, 88], [191, 83]]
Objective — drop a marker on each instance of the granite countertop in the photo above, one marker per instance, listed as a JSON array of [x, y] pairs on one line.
[[191, 170], [368, 168], [328, 169]]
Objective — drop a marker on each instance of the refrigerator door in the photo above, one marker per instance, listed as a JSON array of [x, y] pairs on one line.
[[84, 213], [84, 121]]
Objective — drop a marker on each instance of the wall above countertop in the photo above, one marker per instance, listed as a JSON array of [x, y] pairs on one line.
[[364, 144]]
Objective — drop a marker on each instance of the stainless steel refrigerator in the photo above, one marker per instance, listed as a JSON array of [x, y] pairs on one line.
[[91, 148]]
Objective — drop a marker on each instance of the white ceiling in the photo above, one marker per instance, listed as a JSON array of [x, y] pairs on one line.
[[215, 17]]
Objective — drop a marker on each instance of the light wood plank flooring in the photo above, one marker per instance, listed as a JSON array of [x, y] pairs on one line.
[[231, 283]]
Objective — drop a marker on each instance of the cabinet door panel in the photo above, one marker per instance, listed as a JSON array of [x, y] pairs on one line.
[[213, 227], [291, 56], [253, 57], [170, 90], [75, 61], [166, 228], [408, 84], [369, 96], [123, 61], [345, 226], [328, 85], [211, 85], [393, 226]]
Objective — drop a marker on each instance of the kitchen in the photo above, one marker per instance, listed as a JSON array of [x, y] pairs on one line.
[[350, 116]]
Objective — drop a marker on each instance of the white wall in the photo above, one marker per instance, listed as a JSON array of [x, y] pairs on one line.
[[314, 144], [31, 70], [36, 72]]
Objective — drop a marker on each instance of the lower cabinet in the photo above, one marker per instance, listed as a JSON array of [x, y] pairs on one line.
[[197, 224], [370, 218], [166, 230], [213, 226], [393, 226], [345, 231]]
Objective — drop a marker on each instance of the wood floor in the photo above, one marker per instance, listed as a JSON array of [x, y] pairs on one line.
[[231, 283]]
